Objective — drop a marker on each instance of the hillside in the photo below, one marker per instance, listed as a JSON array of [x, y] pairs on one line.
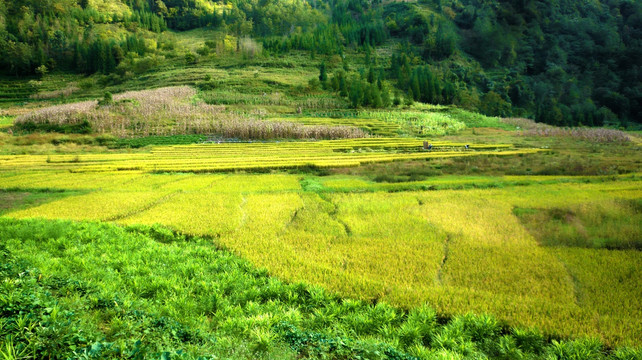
[[562, 62]]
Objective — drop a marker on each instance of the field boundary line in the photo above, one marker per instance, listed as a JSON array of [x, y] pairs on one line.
[[293, 218], [243, 213], [577, 292], [334, 212], [444, 259], [146, 207]]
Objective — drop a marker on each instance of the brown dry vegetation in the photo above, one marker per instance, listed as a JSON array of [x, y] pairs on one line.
[[55, 93], [602, 135], [175, 110], [9, 200]]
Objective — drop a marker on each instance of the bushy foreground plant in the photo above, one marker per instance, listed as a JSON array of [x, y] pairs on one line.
[[92, 290]]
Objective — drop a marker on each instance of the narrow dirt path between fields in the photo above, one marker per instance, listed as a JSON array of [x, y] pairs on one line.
[[440, 280]]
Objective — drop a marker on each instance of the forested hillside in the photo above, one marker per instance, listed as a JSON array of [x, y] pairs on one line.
[[561, 62]]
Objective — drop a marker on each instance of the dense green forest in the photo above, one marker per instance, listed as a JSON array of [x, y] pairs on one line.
[[560, 62]]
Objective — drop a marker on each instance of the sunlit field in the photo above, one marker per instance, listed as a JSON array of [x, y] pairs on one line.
[[323, 180], [459, 251], [259, 156]]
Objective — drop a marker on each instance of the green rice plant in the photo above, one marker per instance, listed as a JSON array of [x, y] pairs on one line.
[[476, 120], [159, 140], [612, 224]]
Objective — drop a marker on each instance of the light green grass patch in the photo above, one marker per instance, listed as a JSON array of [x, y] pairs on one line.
[[419, 123], [6, 121]]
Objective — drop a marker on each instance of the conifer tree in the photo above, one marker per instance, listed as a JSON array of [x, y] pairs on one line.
[[323, 76], [385, 97]]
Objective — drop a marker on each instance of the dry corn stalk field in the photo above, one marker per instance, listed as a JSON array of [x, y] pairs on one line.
[[175, 110]]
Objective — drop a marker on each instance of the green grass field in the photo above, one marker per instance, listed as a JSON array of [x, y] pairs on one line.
[[5, 122]]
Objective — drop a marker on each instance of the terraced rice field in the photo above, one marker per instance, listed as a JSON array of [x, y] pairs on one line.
[[457, 250], [257, 156]]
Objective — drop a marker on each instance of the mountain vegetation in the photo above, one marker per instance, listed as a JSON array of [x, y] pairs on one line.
[[560, 62]]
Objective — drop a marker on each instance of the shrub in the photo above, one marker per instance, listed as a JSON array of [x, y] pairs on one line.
[[190, 58]]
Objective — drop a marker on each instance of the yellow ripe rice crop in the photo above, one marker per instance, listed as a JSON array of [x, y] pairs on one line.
[[107, 205], [457, 250], [195, 213], [256, 156], [484, 239], [62, 180], [617, 313]]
